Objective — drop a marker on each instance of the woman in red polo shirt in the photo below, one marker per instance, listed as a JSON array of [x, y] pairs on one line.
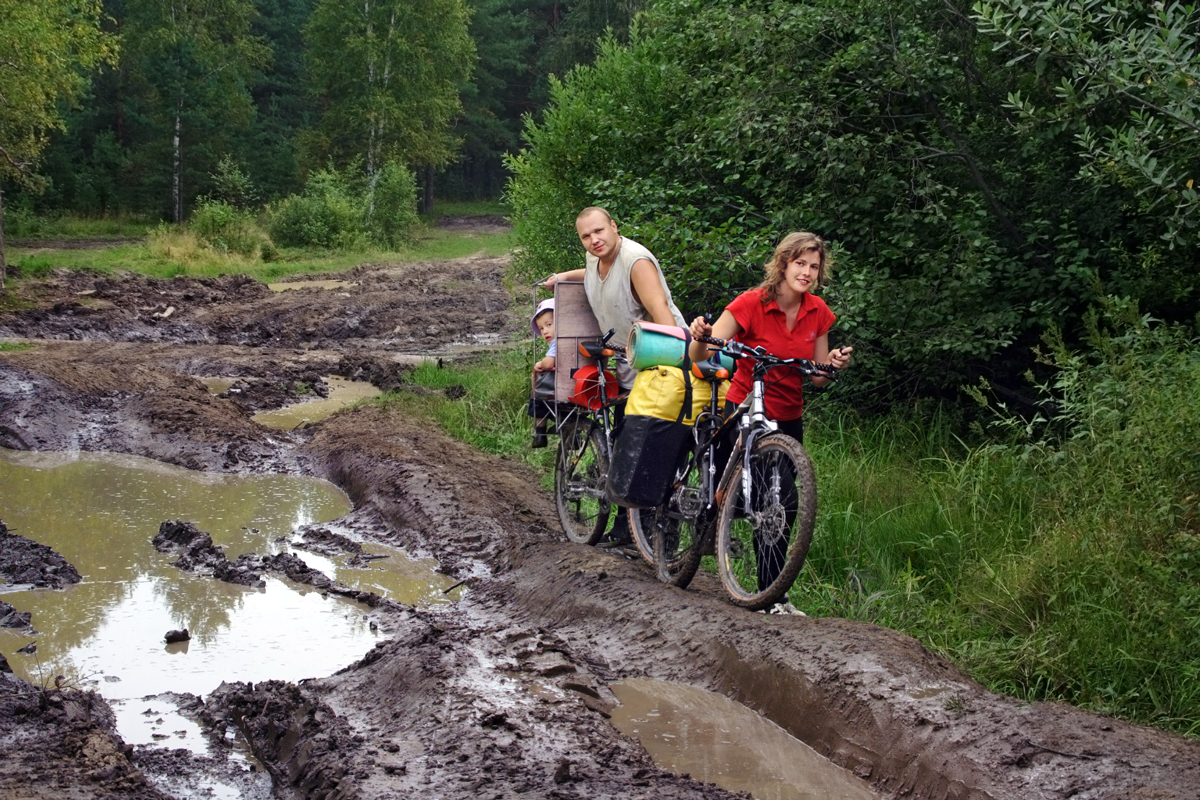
[[783, 316]]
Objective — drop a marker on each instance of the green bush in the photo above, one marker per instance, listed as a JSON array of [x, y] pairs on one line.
[[341, 210], [223, 227], [329, 214], [392, 216]]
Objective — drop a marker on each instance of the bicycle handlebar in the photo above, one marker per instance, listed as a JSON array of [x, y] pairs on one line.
[[738, 350]]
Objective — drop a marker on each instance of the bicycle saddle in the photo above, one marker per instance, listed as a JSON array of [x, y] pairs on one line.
[[709, 370], [594, 348]]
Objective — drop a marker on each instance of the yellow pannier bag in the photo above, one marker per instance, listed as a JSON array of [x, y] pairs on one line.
[[659, 392]]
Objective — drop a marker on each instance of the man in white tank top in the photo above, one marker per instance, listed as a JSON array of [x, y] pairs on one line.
[[622, 280]]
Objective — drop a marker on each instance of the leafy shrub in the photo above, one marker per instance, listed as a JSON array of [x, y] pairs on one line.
[[223, 227], [392, 211], [329, 214], [342, 210], [233, 186]]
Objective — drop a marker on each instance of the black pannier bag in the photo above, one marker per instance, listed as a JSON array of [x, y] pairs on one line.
[[655, 437]]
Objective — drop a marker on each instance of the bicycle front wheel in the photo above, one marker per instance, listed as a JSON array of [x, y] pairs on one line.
[[763, 535], [580, 472]]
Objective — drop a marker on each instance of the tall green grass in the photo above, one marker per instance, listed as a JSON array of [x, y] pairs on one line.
[[1058, 558], [169, 251], [490, 414]]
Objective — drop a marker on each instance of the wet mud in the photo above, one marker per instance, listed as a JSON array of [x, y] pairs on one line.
[[35, 565], [508, 692]]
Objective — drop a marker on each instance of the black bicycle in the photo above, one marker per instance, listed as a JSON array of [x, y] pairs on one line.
[[760, 511], [585, 430]]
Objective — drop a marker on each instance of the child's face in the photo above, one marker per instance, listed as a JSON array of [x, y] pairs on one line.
[[545, 325]]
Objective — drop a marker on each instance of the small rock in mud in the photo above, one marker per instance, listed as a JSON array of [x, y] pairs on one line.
[[23, 560], [11, 618]]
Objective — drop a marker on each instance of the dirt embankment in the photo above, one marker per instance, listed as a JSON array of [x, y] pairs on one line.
[[508, 693]]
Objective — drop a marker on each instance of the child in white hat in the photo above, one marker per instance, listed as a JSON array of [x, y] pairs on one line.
[[542, 324]]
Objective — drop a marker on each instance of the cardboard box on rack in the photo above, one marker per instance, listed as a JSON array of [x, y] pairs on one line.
[[573, 322]]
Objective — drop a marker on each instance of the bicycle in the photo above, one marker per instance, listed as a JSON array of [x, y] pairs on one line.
[[585, 451], [760, 545]]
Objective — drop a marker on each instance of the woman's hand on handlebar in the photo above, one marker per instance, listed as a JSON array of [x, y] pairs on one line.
[[700, 327], [840, 357]]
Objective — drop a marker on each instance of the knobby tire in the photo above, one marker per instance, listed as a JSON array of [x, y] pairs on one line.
[[751, 541], [580, 473]]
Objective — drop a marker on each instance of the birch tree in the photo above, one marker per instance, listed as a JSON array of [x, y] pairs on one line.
[[193, 59], [387, 74]]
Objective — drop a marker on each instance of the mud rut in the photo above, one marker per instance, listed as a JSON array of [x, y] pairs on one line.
[[506, 694]]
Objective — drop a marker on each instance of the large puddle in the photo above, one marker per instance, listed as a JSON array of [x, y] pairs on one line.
[[100, 512], [342, 393], [717, 740]]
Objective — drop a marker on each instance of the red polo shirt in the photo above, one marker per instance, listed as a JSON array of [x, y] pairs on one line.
[[766, 325]]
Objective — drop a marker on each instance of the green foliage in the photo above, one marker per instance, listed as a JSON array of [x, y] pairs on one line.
[[329, 214], [45, 49], [392, 209], [1121, 76], [387, 76], [960, 232], [345, 210], [233, 186], [229, 230]]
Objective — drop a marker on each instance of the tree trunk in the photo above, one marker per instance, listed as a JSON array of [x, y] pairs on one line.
[[427, 197], [3, 267], [177, 170]]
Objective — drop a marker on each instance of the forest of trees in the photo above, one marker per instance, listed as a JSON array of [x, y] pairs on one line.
[[153, 95]]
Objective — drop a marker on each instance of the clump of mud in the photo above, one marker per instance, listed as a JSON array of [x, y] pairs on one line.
[[197, 553], [24, 561], [68, 745], [11, 618]]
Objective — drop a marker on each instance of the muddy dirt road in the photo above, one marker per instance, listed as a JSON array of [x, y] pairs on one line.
[[508, 693]]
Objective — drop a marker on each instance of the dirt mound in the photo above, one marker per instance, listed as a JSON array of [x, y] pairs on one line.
[[24, 561], [60, 743]]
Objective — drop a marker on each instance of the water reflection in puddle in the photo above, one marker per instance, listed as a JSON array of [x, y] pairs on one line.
[[717, 740], [101, 511], [342, 392], [396, 575], [328, 284]]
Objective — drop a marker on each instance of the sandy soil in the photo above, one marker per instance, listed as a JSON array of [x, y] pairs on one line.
[[507, 693]]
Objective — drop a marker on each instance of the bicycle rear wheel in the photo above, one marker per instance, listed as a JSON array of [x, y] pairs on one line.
[[641, 527], [580, 472], [762, 543], [677, 529]]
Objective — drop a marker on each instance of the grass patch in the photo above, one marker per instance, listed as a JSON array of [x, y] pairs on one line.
[[14, 347], [491, 414], [170, 251], [20, 224], [468, 208]]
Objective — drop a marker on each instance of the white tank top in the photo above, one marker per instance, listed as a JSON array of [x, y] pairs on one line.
[[612, 299]]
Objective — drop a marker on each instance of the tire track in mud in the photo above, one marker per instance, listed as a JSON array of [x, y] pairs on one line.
[[872, 700]]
